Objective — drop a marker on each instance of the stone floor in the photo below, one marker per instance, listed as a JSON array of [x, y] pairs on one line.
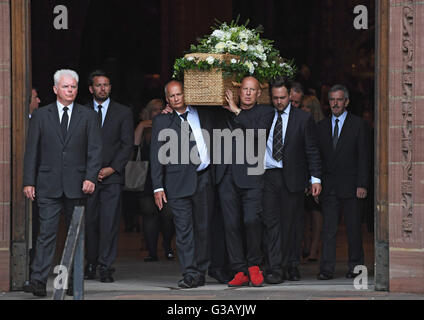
[[138, 280]]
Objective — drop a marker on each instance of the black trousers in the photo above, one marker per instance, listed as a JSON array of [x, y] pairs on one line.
[[155, 222], [241, 210], [49, 217], [192, 226], [331, 206], [279, 217], [102, 224], [299, 230], [219, 256]]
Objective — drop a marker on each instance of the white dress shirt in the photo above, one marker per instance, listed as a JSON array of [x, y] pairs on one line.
[[194, 122], [60, 110], [270, 162], [105, 106]]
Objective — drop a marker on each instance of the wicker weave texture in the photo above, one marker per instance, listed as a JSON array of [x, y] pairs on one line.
[[208, 87]]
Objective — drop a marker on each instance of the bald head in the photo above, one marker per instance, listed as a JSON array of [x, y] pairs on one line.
[[250, 91], [174, 93]]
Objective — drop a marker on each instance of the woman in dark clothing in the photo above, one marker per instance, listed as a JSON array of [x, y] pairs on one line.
[[154, 221]]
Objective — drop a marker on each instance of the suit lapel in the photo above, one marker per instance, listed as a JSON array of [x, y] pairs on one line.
[[290, 126], [109, 114], [55, 120], [75, 119]]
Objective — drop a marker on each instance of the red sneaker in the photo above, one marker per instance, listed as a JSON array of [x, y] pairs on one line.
[[239, 280], [256, 277]]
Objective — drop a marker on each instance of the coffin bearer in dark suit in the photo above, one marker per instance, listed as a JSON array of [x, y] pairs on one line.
[[62, 161], [104, 205], [345, 159], [291, 155], [182, 178], [240, 191], [296, 94]]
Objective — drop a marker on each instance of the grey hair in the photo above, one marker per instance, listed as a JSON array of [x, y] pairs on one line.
[[339, 87], [64, 72], [175, 81]]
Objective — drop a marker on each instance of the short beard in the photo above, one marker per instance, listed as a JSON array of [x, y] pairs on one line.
[[99, 99]]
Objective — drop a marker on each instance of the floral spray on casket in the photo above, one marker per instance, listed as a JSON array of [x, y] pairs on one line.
[[222, 59]]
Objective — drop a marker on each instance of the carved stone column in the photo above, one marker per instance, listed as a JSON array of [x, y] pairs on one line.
[[406, 146]]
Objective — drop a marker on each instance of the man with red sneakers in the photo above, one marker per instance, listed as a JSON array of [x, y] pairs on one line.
[[240, 193]]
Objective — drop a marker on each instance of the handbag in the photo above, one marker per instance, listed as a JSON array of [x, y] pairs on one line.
[[136, 173]]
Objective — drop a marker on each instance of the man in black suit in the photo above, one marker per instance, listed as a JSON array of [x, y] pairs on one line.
[[62, 161], [345, 159], [291, 153], [182, 178], [240, 189], [104, 205]]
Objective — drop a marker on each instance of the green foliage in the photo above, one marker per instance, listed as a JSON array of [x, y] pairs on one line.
[[257, 56]]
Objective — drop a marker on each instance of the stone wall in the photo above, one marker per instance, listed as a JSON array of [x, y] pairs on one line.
[[5, 144], [406, 146]]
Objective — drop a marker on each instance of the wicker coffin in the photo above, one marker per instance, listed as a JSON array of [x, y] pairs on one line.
[[208, 87]]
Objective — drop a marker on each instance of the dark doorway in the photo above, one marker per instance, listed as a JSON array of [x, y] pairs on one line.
[[126, 38]]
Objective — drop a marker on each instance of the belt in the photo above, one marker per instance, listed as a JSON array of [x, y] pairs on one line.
[[199, 173]]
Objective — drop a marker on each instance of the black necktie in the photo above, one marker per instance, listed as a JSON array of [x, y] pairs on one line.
[[99, 113], [184, 117], [336, 134], [277, 142], [64, 122]]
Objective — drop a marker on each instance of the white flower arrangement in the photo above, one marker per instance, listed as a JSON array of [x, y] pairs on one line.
[[258, 57]]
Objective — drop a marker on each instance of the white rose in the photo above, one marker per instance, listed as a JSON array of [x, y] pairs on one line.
[[259, 48], [265, 64], [243, 36], [250, 66], [218, 34], [243, 46], [220, 46], [210, 60], [233, 60], [190, 58]]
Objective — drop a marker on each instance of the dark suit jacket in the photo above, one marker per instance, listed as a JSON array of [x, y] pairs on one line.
[[57, 166], [301, 157], [179, 180], [258, 117], [118, 140], [346, 168]]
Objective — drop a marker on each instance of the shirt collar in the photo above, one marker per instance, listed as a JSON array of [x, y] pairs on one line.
[[286, 110], [61, 106], [189, 110], [341, 118], [104, 104]]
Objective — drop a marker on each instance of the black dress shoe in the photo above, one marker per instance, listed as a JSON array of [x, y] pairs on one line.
[[150, 259], [170, 255], [220, 276], [293, 274], [106, 274], [352, 275], [90, 271], [37, 288], [201, 281], [188, 282], [325, 276], [273, 279]]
